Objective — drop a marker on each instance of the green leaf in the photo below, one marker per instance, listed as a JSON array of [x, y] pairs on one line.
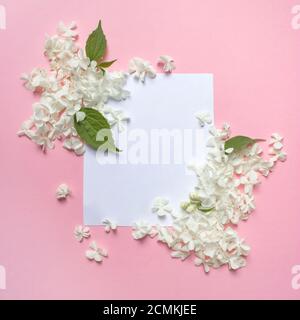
[[239, 143], [95, 131], [106, 64], [96, 44]]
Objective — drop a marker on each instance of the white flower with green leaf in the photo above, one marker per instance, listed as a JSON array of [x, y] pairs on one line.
[[203, 227], [73, 91]]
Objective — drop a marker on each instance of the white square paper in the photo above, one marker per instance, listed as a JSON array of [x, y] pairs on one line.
[[125, 192]]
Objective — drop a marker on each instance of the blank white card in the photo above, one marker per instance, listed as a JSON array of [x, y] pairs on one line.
[[162, 137]]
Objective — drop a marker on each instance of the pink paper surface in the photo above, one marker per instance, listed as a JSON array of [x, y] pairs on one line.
[[254, 54]]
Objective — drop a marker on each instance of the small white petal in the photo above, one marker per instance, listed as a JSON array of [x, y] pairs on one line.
[[90, 254], [95, 253], [203, 118], [62, 191], [81, 233], [141, 68], [80, 116], [161, 206], [167, 62], [277, 146], [109, 225]]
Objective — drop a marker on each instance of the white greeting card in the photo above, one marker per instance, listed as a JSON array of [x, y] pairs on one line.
[[161, 139]]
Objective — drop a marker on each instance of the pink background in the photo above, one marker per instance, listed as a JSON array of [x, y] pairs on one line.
[[254, 54]]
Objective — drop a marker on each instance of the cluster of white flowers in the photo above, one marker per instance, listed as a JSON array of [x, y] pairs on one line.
[[95, 252], [222, 197], [141, 68], [73, 82]]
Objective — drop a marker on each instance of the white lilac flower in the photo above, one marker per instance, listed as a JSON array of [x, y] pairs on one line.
[[204, 118], [141, 69], [74, 144], [167, 62], [161, 206], [67, 31], [206, 234], [236, 262], [141, 229], [26, 128], [81, 232], [180, 255], [36, 80], [95, 253], [276, 141], [117, 117], [276, 148], [71, 83], [249, 181], [109, 225], [282, 156], [62, 191]]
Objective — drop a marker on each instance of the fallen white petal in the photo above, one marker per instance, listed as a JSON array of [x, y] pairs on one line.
[[62, 191]]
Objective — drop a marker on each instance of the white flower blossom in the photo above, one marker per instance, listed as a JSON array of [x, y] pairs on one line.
[[204, 118], [26, 128], [276, 148], [96, 253], [141, 68], [161, 206], [141, 229], [67, 31], [167, 62], [249, 181], [180, 255], [62, 191], [118, 118], [276, 141], [109, 225], [81, 232], [282, 156], [75, 145], [37, 80], [236, 262]]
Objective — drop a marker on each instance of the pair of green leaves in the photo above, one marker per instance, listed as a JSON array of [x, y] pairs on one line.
[[240, 143], [94, 129], [96, 46]]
